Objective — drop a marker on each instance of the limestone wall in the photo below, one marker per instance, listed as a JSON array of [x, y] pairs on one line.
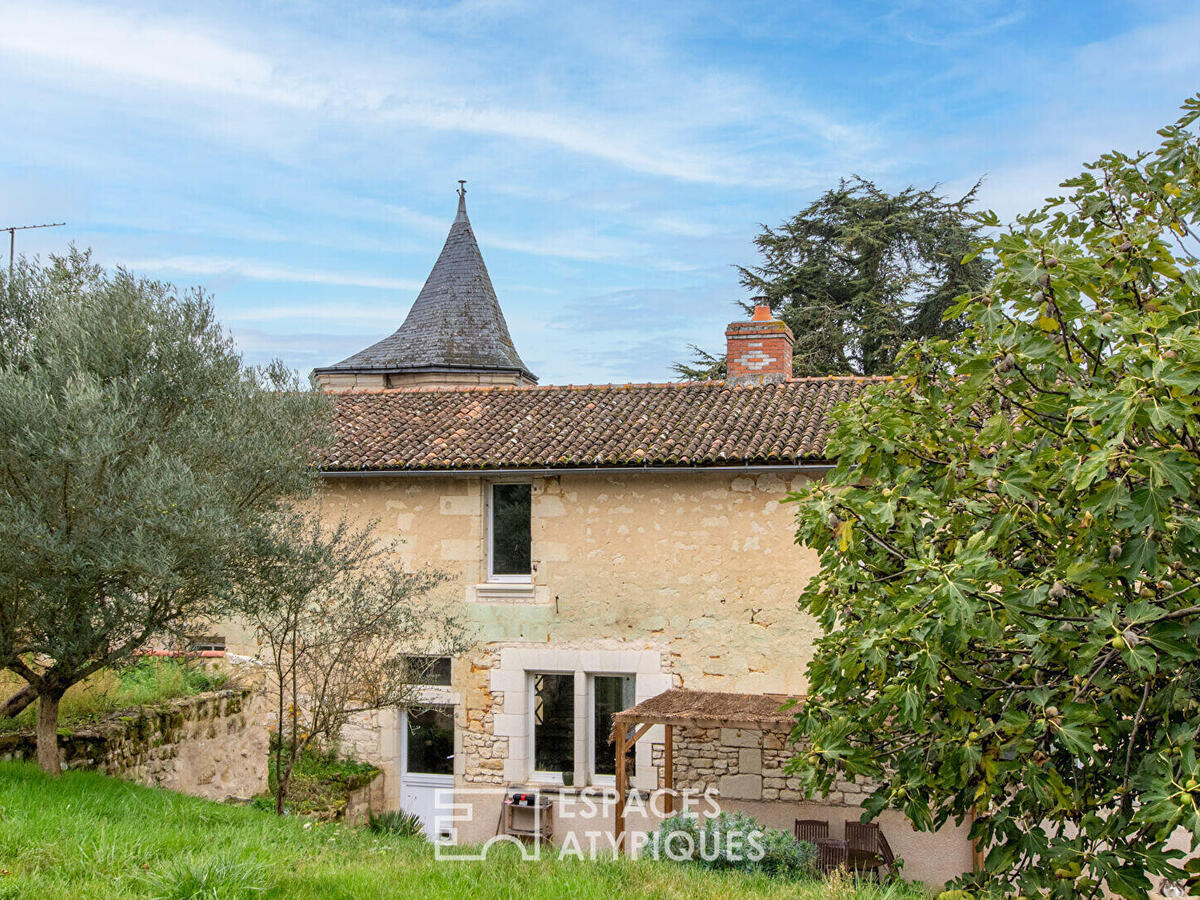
[[701, 566], [212, 745], [696, 571]]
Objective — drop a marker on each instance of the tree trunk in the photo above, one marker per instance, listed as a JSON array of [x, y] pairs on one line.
[[281, 788], [47, 734], [17, 702]]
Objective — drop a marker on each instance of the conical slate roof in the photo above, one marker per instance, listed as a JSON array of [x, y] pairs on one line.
[[455, 323]]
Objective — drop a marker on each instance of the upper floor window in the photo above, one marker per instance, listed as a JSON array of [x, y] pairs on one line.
[[509, 533]]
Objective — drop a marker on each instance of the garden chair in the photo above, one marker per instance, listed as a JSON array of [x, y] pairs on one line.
[[868, 848], [832, 855], [811, 830]]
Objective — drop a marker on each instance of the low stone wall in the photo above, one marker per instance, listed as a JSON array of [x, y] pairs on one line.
[[744, 764], [212, 745]]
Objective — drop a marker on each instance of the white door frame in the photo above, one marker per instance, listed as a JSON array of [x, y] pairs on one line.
[[426, 783]]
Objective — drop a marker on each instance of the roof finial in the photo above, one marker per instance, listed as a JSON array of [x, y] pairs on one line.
[[462, 201]]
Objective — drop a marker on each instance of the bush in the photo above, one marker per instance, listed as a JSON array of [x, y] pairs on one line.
[[732, 841], [398, 822], [321, 781]]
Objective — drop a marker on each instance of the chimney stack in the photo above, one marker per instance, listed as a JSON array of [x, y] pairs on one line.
[[758, 351]]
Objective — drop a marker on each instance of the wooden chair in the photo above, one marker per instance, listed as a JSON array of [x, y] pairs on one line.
[[832, 854], [811, 830], [868, 848]]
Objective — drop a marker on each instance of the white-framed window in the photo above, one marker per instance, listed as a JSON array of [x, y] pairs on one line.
[[552, 726], [607, 695], [509, 554]]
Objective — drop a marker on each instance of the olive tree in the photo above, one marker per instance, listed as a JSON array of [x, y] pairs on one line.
[[139, 459], [1010, 550]]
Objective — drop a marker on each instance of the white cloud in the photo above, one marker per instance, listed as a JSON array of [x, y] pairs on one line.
[[656, 134], [384, 315], [201, 265]]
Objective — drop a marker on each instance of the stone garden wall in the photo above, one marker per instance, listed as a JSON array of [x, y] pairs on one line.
[[744, 764], [212, 745]]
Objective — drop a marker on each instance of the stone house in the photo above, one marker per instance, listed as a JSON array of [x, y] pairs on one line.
[[607, 543]]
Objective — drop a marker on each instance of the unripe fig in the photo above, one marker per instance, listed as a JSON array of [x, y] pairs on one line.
[[1051, 262]]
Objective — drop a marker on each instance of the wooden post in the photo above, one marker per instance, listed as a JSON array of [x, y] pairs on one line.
[[622, 786], [669, 767]]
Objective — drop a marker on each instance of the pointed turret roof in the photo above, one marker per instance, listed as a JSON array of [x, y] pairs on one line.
[[456, 322]]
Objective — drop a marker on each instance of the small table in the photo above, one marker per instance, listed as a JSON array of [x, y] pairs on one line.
[[541, 828], [863, 861]]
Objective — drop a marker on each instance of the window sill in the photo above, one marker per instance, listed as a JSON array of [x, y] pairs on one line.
[[503, 592]]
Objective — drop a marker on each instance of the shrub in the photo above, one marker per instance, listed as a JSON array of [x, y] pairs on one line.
[[732, 841], [398, 822], [321, 781]]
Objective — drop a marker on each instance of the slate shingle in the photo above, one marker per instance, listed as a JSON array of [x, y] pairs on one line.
[[455, 323], [676, 424]]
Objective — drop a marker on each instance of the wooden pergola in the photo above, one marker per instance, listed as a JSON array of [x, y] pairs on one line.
[[688, 709]]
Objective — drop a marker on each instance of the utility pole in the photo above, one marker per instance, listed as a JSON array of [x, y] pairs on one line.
[[12, 245]]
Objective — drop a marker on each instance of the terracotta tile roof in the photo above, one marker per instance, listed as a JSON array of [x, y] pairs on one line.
[[676, 424]]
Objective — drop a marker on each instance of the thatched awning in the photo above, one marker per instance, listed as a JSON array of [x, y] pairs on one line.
[[709, 709]]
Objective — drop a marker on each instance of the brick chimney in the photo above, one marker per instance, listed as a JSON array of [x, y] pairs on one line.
[[758, 351]]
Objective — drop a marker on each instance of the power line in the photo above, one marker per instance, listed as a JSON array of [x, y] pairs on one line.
[[12, 244]]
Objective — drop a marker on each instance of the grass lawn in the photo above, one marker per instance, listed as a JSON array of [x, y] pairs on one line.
[[145, 682], [85, 836]]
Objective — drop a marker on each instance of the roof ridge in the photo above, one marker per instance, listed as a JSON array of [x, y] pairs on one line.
[[615, 385]]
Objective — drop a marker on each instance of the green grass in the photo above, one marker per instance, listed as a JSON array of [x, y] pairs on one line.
[[146, 682], [84, 836]]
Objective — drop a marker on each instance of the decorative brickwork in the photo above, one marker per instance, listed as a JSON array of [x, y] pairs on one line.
[[758, 351]]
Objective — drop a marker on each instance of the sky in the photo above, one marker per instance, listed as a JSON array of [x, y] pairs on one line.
[[298, 159]]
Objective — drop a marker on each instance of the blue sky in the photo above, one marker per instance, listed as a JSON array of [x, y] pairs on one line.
[[299, 159]]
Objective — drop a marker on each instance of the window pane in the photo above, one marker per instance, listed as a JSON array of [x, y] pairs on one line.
[[431, 740], [429, 669], [613, 693], [510, 529], [554, 723]]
